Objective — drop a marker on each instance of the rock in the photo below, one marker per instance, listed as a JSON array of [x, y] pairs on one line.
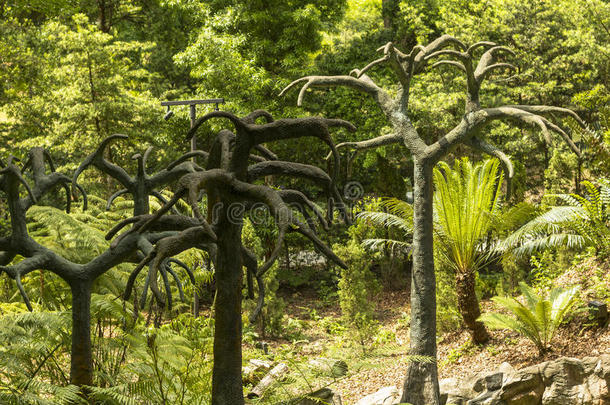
[[385, 396], [275, 374], [567, 383], [326, 395], [506, 369], [602, 367], [524, 387], [589, 364], [486, 398], [530, 397], [254, 371], [563, 381], [451, 392], [476, 383], [485, 380], [332, 367], [493, 382], [565, 368]]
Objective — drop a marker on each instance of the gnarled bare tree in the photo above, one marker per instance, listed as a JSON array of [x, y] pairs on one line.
[[79, 277], [229, 182], [477, 62]]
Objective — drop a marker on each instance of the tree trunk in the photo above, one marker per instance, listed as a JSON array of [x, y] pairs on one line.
[[389, 11], [226, 378], [468, 305], [81, 367], [421, 383]]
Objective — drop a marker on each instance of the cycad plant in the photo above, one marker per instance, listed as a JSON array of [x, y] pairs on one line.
[[537, 319], [466, 202], [396, 215], [583, 221], [466, 207]]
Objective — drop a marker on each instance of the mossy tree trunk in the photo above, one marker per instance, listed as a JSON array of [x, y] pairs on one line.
[[81, 361]]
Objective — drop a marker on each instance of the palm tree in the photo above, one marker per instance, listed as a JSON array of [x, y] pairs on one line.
[[584, 221], [466, 206]]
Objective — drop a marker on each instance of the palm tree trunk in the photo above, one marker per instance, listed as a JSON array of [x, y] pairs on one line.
[[468, 306], [421, 383]]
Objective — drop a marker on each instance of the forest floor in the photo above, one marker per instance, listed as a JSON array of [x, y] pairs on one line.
[[384, 364]]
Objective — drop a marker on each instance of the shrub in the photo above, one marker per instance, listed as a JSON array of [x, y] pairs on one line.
[[537, 319], [356, 289]]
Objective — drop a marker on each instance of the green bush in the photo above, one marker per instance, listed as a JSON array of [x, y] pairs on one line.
[[537, 319], [580, 222], [357, 287]]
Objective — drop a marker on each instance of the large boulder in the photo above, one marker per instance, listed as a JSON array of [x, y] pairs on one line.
[[564, 381], [524, 387]]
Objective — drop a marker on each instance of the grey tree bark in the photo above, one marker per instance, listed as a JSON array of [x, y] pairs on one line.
[[81, 360], [421, 381]]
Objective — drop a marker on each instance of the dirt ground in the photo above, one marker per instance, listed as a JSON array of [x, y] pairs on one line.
[[457, 357]]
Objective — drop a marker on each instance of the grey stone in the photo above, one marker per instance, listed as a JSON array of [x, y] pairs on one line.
[[569, 370], [564, 381], [506, 369], [326, 395], [568, 383], [486, 398], [477, 382], [451, 392], [385, 396], [524, 387], [493, 382]]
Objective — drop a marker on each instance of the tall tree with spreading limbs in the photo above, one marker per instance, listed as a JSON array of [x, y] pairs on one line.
[[477, 62], [233, 168], [231, 181]]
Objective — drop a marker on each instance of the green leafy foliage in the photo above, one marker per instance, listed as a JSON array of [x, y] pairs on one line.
[[466, 203], [356, 288], [537, 319], [31, 366], [583, 221]]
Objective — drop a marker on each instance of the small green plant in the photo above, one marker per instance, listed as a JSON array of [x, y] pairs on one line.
[[356, 288], [537, 319], [456, 354], [331, 326], [544, 269]]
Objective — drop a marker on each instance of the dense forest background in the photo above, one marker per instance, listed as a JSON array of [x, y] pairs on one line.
[[76, 72], [73, 72]]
